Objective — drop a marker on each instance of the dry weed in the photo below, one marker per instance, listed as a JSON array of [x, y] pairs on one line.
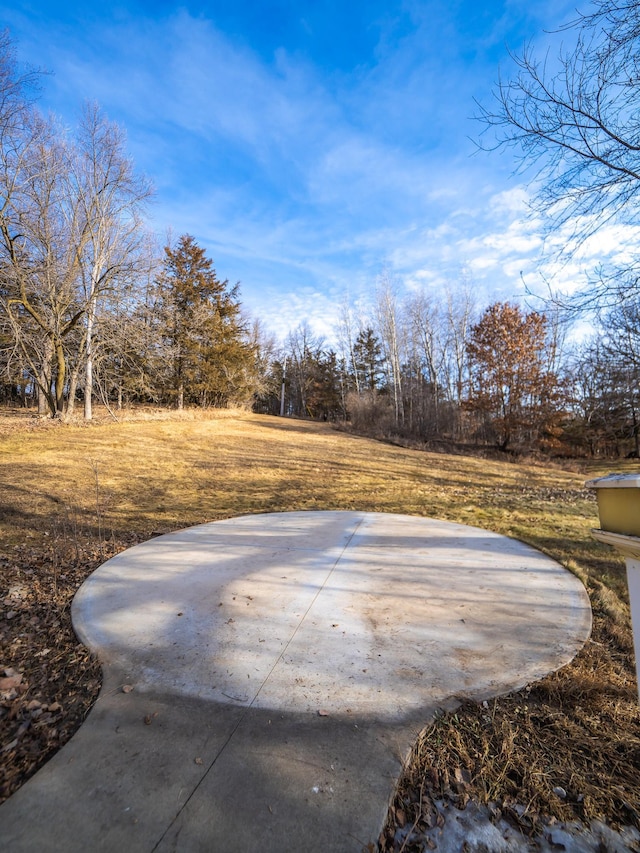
[[565, 748]]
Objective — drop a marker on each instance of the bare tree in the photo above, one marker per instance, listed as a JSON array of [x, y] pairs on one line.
[[460, 316], [604, 399], [19, 135], [392, 335], [40, 301], [126, 346], [303, 349], [575, 118], [347, 335], [621, 343], [107, 221], [70, 233], [18, 88], [426, 324]]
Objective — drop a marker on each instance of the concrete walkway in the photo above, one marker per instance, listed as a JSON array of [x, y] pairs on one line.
[[266, 676]]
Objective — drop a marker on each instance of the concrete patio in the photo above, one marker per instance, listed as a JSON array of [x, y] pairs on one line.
[[266, 676]]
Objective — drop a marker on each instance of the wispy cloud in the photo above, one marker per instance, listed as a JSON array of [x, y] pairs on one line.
[[304, 179]]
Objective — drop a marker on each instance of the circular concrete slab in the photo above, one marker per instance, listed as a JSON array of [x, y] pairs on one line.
[[333, 612]]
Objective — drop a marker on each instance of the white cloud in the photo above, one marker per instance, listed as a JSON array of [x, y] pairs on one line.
[[304, 184], [517, 239], [482, 263]]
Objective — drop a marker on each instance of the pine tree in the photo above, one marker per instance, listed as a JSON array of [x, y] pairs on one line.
[[209, 359], [368, 360]]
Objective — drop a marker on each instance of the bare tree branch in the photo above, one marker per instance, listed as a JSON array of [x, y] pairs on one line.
[[574, 119]]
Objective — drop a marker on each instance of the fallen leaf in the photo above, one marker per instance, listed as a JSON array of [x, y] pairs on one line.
[[127, 688], [147, 720], [10, 682], [198, 761]]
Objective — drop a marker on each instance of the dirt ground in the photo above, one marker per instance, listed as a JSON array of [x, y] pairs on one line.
[[48, 680]]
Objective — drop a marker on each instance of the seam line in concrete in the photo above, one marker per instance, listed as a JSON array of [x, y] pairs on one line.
[[267, 677]]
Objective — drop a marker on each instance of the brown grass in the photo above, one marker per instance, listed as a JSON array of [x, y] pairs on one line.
[[71, 495]]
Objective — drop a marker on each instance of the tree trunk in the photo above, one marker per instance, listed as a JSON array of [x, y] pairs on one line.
[[60, 377], [88, 368], [42, 401], [43, 381], [73, 388]]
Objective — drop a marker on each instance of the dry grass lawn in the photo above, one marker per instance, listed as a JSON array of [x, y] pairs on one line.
[[72, 495]]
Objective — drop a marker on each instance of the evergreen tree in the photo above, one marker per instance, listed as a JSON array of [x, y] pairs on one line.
[[208, 358], [368, 360]]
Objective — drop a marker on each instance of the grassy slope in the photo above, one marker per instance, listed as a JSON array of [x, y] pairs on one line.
[[70, 495], [162, 474]]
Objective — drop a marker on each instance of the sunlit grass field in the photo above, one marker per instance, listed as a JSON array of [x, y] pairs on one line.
[[157, 473]]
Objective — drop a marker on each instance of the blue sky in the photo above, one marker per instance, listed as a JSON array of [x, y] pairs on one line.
[[311, 146]]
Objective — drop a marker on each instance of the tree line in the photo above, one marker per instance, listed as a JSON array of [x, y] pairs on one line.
[[89, 307], [440, 369]]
